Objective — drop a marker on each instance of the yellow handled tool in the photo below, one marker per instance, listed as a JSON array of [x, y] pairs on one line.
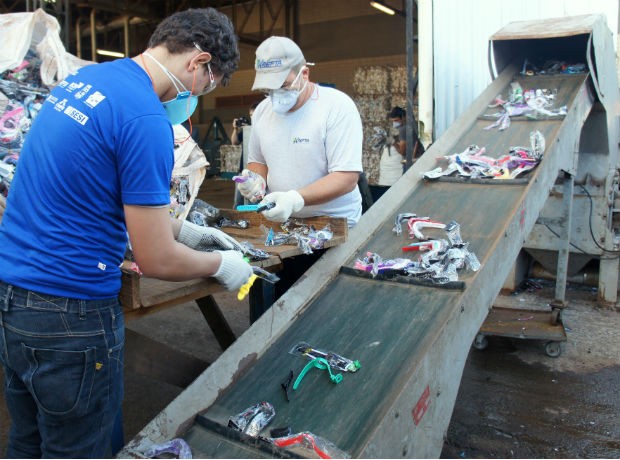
[[245, 289]]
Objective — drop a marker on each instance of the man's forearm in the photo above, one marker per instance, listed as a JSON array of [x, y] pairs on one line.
[[329, 187]]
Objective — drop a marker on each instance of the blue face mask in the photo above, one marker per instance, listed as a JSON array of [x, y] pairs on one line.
[[181, 107]]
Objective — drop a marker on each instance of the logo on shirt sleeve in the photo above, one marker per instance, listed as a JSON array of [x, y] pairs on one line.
[[75, 85], [81, 93], [94, 99], [60, 106], [76, 115]]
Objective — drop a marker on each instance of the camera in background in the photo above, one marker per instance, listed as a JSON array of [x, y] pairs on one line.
[[242, 121]]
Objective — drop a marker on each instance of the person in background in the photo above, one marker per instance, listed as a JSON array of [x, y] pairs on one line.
[[236, 137], [305, 149], [390, 164], [95, 167], [398, 118]]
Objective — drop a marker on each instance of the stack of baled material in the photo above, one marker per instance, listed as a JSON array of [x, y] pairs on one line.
[[377, 90]]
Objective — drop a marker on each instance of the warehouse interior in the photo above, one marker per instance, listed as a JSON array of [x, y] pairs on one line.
[[353, 45], [333, 35]]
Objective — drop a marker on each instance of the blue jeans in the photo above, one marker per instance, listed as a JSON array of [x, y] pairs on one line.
[[63, 373]]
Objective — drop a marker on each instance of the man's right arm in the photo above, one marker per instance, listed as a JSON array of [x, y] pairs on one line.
[[159, 254], [234, 137]]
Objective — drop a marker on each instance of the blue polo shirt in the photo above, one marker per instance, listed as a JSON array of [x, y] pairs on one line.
[[102, 140]]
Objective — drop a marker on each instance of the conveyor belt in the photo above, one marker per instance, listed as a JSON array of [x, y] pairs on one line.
[[412, 340], [408, 338]]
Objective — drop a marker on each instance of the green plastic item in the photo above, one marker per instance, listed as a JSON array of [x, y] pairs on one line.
[[319, 363]]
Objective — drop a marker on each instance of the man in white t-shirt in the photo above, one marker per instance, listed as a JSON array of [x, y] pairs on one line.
[[306, 141], [305, 153]]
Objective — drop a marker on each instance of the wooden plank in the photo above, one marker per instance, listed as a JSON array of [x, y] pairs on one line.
[[130, 290]]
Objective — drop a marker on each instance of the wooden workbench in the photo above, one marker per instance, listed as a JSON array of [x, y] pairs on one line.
[[140, 295]]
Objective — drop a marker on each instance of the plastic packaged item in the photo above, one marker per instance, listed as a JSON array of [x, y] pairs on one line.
[[310, 445], [256, 207], [253, 419], [374, 264], [203, 213], [398, 227], [416, 224], [453, 229], [431, 245], [472, 262], [537, 143], [321, 364], [516, 92], [334, 360], [251, 185], [225, 222], [177, 447]]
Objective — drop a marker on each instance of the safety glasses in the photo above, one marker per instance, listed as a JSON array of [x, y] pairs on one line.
[[212, 83]]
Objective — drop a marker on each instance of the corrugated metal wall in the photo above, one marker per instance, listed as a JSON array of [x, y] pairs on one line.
[[461, 31]]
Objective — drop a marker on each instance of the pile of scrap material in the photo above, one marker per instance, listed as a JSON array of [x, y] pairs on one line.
[[377, 90], [534, 104], [21, 97], [32, 61], [438, 262], [473, 163]]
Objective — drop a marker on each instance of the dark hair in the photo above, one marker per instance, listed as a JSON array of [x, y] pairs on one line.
[[211, 30], [255, 104], [397, 112]]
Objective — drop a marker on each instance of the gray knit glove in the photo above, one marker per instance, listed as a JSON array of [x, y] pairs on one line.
[[234, 271], [206, 238]]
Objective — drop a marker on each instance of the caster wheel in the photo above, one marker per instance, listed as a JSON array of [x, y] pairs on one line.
[[480, 342], [553, 349]]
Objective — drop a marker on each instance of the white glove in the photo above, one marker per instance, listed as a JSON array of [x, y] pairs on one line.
[[206, 238], [286, 204], [234, 271], [251, 185]]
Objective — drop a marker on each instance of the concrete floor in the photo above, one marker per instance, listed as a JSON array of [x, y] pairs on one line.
[[516, 402], [513, 402]]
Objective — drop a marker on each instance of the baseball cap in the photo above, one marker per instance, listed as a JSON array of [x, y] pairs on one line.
[[275, 58]]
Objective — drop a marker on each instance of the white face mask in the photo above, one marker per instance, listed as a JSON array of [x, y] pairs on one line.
[[396, 124], [284, 99]]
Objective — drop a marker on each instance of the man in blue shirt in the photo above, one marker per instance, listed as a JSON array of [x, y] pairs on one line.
[[96, 165]]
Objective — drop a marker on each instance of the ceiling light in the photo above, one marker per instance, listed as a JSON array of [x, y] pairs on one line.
[[111, 53], [381, 6]]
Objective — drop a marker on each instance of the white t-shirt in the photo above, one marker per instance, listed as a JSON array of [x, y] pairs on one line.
[[390, 166], [322, 136]]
